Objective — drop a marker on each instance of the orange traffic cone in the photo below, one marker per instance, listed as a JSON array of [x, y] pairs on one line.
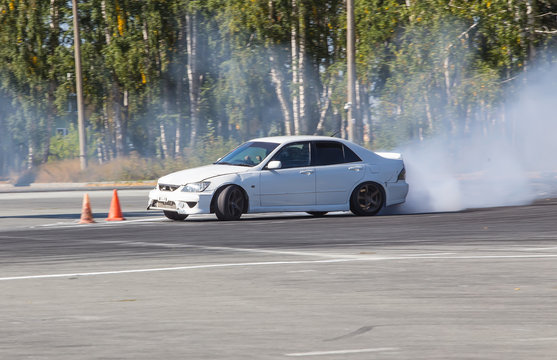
[[86, 213], [115, 213]]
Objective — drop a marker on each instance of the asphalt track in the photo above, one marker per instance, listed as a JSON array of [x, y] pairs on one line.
[[478, 284]]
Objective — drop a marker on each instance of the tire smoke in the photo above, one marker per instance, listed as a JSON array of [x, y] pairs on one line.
[[511, 160]]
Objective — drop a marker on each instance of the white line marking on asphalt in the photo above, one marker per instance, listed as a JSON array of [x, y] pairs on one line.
[[428, 255], [135, 220], [539, 339], [60, 224], [10, 237], [265, 251], [192, 267], [520, 248], [537, 249], [359, 257], [339, 352], [74, 224], [472, 257], [335, 259], [225, 248]]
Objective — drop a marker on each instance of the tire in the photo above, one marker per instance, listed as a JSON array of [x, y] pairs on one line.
[[173, 215], [317, 213], [367, 199], [230, 203]]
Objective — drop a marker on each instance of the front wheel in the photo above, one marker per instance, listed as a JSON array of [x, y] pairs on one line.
[[367, 199], [173, 215], [230, 203]]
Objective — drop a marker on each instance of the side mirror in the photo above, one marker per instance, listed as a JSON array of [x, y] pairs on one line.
[[275, 164]]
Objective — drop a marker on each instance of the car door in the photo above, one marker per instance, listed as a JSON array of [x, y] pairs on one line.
[[294, 183], [338, 170]]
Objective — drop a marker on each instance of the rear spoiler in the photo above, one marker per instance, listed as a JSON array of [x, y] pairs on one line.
[[390, 155]]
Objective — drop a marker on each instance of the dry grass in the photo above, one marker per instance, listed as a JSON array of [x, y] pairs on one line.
[[122, 169], [132, 167]]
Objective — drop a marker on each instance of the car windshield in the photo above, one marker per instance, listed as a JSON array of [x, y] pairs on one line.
[[248, 154]]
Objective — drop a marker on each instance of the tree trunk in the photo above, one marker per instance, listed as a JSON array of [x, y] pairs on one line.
[[115, 95], [530, 35], [4, 145], [342, 128], [178, 135], [117, 118], [447, 76], [294, 59], [322, 114], [163, 120], [30, 155], [428, 112], [193, 76], [164, 146], [365, 114], [99, 152], [107, 35], [278, 81], [52, 85], [448, 94], [110, 141], [179, 95], [359, 131], [48, 130], [302, 122]]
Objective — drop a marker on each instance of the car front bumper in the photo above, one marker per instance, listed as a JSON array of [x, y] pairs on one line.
[[182, 202]]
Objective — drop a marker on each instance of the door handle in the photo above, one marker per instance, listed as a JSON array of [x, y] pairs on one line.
[[306, 172], [355, 168]]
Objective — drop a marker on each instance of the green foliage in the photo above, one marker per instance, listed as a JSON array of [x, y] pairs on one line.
[[64, 146]]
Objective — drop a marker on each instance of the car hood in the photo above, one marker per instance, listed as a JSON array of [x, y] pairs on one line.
[[200, 173]]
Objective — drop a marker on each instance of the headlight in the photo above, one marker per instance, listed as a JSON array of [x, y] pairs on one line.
[[196, 187]]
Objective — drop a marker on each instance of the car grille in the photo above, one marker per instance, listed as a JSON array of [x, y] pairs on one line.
[[166, 187], [164, 204]]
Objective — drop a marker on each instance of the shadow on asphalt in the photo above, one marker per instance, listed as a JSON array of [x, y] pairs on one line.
[[213, 218], [264, 217]]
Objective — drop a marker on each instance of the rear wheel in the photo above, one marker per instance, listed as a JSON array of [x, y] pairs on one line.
[[367, 199], [317, 213], [230, 203], [173, 215]]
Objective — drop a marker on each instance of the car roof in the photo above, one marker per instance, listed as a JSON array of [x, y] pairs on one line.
[[286, 139]]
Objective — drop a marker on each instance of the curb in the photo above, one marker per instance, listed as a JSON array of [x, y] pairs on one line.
[[95, 186]]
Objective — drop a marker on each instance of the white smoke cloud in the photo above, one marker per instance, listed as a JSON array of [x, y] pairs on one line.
[[513, 164]]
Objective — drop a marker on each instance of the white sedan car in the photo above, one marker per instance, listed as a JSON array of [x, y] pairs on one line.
[[313, 174]]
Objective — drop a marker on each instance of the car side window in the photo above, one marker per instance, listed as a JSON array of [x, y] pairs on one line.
[[332, 152], [349, 155], [294, 155]]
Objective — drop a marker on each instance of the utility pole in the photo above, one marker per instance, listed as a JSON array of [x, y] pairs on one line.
[[351, 70], [79, 89]]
